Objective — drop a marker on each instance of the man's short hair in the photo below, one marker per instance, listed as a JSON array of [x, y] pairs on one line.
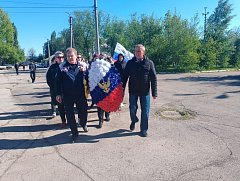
[[142, 47], [72, 50]]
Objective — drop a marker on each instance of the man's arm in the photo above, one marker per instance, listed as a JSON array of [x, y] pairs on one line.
[[48, 76], [58, 87], [153, 79], [126, 73]]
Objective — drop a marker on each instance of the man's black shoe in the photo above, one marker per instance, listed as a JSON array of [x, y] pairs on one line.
[[132, 126], [107, 119], [144, 133], [85, 128], [100, 124]]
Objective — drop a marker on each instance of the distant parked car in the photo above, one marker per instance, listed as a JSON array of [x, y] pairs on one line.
[[39, 65], [26, 63], [9, 66]]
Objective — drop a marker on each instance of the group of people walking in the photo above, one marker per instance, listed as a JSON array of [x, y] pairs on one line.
[[32, 70], [68, 80]]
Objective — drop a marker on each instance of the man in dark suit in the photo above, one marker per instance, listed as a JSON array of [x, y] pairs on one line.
[[70, 85]]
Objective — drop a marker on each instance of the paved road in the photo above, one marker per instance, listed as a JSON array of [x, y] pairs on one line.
[[194, 134]]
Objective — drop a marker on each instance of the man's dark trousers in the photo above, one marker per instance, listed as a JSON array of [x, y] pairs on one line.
[[81, 104]]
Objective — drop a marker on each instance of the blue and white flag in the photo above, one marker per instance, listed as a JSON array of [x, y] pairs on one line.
[[120, 49]]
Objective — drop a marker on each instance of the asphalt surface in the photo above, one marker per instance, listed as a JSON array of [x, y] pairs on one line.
[[194, 134]]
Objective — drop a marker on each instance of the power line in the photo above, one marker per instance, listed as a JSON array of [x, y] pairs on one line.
[[47, 7], [34, 12], [24, 2]]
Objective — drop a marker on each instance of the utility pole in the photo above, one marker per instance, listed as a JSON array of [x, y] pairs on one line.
[[71, 31], [205, 60], [49, 61], [205, 22], [96, 24]]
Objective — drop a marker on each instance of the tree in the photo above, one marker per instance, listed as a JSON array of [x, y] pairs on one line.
[[236, 55], [177, 44], [9, 50], [133, 32], [84, 32], [208, 54], [234, 38], [31, 54], [53, 44], [113, 32], [15, 43], [171, 42], [217, 25]]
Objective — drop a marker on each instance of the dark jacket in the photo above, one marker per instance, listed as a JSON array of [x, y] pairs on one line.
[[32, 67], [120, 66], [51, 75], [16, 66], [140, 74], [70, 80]]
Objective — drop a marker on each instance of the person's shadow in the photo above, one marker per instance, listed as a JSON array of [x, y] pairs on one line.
[[58, 139]]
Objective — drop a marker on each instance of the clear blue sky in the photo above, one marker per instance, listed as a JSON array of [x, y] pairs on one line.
[[35, 24]]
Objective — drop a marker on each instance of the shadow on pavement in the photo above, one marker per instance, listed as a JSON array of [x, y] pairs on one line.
[[35, 114], [197, 94], [230, 80], [225, 95], [33, 104], [35, 94], [59, 139], [32, 128]]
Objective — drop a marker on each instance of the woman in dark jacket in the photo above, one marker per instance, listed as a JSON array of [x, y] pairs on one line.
[[120, 65], [51, 81]]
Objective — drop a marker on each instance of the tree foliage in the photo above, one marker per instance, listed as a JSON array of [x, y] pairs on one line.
[[217, 24], [9, 49], [236, 56], [171, 42], [176, 44], [113, 31], [84, 32]]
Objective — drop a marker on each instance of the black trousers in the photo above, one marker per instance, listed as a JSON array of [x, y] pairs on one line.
[[101, 114], [17, 71], [81, 105], [60, 106], [33, 76]]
